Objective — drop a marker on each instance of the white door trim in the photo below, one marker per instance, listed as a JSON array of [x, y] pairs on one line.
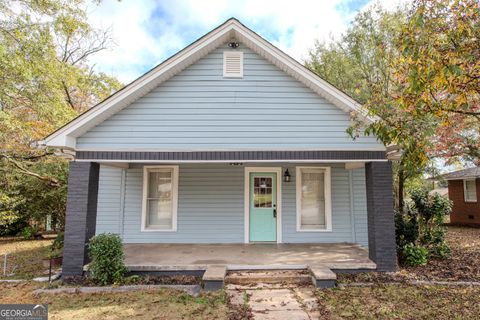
[[278, 171]]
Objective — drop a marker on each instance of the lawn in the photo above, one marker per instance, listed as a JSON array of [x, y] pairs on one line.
[[160, 304], [25, 256], [400, 302], [383, 299]]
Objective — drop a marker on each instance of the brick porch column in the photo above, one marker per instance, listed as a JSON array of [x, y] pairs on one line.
[[381, 224], [81, 215]]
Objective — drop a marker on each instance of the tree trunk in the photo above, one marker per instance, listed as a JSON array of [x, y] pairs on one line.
[[401, 182]]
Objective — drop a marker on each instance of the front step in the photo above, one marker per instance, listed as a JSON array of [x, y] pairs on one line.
[[285, 277]]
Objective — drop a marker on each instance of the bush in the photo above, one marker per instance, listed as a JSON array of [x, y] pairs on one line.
[[406, 229], [414, 255], [56, 249], [27, 233], [106, 255], [421, 226]]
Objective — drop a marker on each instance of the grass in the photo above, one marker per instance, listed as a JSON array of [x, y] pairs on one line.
[[160, 304], [400, 302], [25, 255], [381, 300]]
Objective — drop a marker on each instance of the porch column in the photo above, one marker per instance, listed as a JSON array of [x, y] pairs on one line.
[[81, 215], [381, 224]]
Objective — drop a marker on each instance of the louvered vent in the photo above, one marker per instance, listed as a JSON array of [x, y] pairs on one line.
[[233, 64]]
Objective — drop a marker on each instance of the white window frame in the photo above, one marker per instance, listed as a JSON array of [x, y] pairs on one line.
[[465, 194], [146, 170], [328, 199]]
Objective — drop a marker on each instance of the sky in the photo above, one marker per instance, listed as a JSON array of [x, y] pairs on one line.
[[146, 32]]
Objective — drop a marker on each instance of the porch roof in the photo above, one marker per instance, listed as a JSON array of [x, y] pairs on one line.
[[183, 257]]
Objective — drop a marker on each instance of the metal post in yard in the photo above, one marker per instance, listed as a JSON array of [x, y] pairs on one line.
[[5, 264], [50, 271]]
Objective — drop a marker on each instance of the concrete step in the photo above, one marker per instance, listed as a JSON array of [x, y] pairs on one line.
[[323, 277], [252, 277], [214, 277]]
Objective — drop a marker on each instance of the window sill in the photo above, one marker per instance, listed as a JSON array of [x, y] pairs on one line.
[[314, 230], [157, 230]]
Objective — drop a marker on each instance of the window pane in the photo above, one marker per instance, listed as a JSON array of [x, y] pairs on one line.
[[471, 190], [159, 213], [262, 192], [313, 200], [159, 200]]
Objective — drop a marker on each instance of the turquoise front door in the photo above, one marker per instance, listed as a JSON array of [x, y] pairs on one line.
[[263, 207]]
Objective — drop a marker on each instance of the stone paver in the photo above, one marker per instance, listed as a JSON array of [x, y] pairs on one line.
[[275, 302]]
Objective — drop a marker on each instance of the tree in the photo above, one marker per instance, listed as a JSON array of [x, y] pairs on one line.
[[438, 75], [361, 63], [45, 81]]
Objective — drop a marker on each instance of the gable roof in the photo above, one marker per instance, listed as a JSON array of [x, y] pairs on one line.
[[469, 173], [232, 29]]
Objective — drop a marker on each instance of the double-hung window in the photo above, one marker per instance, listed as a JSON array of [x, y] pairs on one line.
[[314, 205], [160, 196], [470, 190]]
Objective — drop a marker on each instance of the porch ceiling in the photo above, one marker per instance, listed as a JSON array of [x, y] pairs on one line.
[[166, 257]]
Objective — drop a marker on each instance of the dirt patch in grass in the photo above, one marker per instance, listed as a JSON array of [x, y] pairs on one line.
[[159, 304], [400, 302], [462, 265], [24, 257], [131, 280]]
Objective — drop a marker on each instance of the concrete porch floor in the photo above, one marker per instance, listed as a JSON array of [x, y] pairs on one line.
[[178, 257]]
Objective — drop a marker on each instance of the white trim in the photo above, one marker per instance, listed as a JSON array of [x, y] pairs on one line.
[[65, 137], [231, 161], [465, 194], [328, 198], [146, 170], [350, 148], [246, 200]]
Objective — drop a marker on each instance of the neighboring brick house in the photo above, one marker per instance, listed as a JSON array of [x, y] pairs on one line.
[[464, 191]]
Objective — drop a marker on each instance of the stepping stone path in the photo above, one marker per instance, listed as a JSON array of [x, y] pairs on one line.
[[275, 299]]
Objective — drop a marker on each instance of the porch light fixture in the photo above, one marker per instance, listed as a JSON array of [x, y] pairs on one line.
[[286, 176]]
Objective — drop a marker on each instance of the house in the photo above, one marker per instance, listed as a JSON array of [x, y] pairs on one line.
[[230, 143], [464, 191]]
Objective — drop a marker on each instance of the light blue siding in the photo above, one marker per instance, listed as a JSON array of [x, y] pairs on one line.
[[211, 206], [109, 205], [360, 206], [200, 110]]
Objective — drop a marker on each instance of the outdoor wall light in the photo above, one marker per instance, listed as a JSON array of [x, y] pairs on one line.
[[286, 176]]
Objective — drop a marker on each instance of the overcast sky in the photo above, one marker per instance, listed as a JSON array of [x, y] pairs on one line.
[[146, 32]]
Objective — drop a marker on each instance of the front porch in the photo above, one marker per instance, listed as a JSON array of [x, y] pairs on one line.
[[197, 257], [213, 261], [211, 203]]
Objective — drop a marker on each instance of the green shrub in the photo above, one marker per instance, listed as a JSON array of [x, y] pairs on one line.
[[422, 226], [27, 233], [406, 229], [441, 250], [56, 249], [414, 255], [106, 255]]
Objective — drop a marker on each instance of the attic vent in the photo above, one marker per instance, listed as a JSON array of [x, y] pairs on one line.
[[233, 64]]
